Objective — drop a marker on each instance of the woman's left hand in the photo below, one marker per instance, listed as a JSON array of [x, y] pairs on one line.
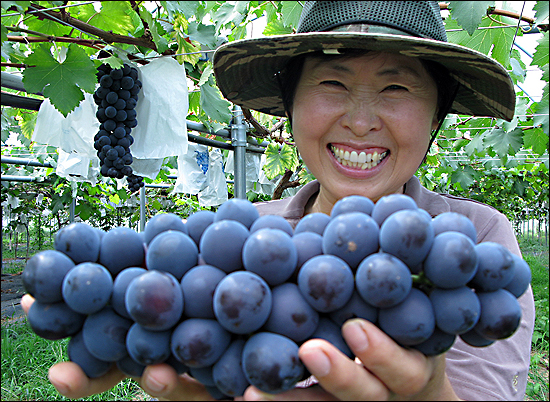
[[388, 371]]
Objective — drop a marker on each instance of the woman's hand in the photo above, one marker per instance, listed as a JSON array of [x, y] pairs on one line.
[[387, 372], [159, 380]]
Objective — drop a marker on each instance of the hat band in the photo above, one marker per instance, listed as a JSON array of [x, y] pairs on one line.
[[369, 28]]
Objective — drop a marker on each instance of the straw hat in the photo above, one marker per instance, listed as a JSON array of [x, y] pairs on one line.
[[246, 70]]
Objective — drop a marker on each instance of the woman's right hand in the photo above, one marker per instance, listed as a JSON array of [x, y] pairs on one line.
[[159, 380]]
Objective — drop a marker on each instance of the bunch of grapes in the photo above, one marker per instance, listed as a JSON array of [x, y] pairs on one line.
[[228, 297], [116, 98]]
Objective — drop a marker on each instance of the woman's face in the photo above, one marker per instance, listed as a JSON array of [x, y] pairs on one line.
[[362, 124]]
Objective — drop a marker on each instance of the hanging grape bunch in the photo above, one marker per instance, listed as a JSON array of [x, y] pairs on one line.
[[260, 288], [116, 98]]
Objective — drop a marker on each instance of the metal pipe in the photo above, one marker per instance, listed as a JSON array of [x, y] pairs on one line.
[[193, 125], [15, 82], [142, 209], [17, 178], [72, 208], [24, 161], [238, 140]]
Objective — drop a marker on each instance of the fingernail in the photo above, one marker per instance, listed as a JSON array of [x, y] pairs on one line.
[[355, 335], [61, 387], [316, 360], [153, 384]]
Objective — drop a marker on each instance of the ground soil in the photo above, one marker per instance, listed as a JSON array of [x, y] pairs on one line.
[[12, 290]]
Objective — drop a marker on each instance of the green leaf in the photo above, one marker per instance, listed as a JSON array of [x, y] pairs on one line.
[[114, 198], [204, 34], [187, 8], [228, 13], [20, 6], [62, 82], [3, 33], [469, 13], [540, 57], [291, 12], [536, 139], [156, 30], [115, 16], [186, 47], [505, 142], [475, 146], [216, 107], [276, 27], [541, 11], [520, 186], [541, 110], [483, 40], [47, 27], [84, 211], [208, 71], [279, 160], [465, 176]]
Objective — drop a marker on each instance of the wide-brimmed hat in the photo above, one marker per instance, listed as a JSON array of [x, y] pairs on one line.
[[246, 70]]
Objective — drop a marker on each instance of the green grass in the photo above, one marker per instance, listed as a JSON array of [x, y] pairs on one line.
[[535, 254], [26, 359]]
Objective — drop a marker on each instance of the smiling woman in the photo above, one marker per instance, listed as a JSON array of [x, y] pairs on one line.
[[366, 86]]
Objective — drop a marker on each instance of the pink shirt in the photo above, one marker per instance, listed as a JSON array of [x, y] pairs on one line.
[[495, 372]]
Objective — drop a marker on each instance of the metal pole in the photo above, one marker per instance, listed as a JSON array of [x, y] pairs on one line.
[[71, 210], [238, 140], [141, 209]]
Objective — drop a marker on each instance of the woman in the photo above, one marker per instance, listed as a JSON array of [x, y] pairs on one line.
[[366, 86]]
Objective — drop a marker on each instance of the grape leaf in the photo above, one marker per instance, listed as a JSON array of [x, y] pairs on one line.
[[291, 13], [156, 30], [475, 146], [465, 176], [115, 16], [536, 140], [541, 9], [62, 82], [278, 160], [187, 8], [469, 13], [228, 13], [540, 57], [483, 40], [214, 105], [276, 27], [204, 34], [505, 142]]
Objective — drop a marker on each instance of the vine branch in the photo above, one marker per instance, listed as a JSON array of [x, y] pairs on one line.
[[108, 37]]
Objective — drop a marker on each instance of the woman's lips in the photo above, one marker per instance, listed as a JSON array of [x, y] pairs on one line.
[[361, 160]]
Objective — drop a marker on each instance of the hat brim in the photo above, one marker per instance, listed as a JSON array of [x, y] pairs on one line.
[[246, 70]]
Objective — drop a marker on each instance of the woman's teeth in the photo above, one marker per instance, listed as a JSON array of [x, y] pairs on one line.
[[360, 160]]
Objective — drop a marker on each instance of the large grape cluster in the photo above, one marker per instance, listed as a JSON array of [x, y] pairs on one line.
[[228, 296], [116, 98]]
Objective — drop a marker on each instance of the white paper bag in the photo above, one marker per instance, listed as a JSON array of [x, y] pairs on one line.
[[74, 133], [76, 167], [215, 191], [161, 110], [192, 169]]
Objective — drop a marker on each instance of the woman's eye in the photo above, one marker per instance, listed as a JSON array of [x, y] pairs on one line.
[[336, 83], [395, 87]]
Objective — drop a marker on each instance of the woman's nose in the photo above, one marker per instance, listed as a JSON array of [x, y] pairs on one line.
[[362, 117]]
